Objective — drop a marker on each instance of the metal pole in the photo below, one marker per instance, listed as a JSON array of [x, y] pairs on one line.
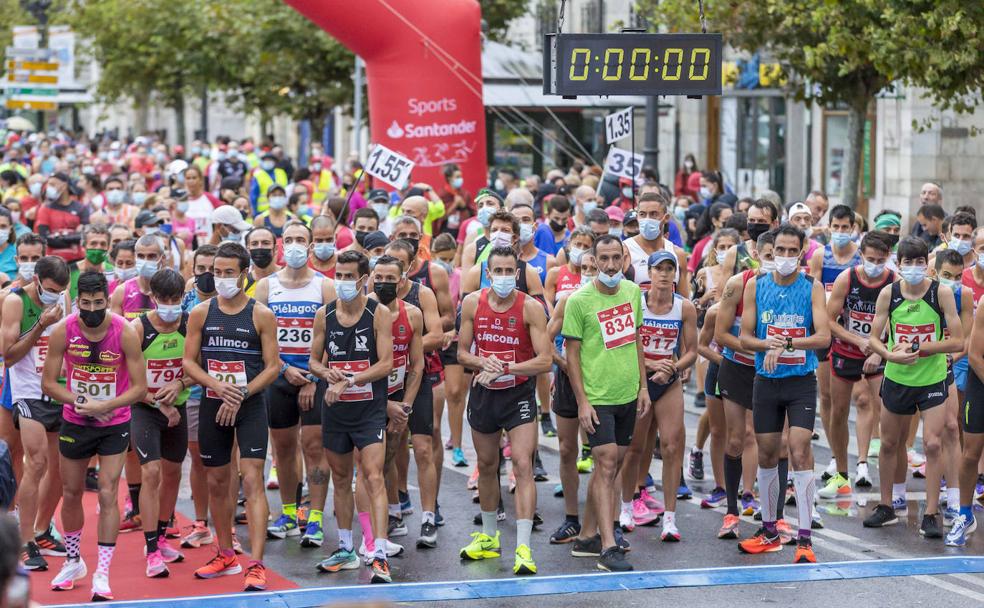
[[357, 108], [633, 158], [203, 119], [650, 149]]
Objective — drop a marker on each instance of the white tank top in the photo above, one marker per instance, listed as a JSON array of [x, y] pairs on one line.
[[295, 309], [661, 333], [639, 260]]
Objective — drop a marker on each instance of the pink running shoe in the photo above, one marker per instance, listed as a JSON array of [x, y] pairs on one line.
[[643, 515], [654, 505]]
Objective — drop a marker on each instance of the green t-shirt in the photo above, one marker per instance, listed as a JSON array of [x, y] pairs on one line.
[[163, 354], [916, 321], [607, 327]]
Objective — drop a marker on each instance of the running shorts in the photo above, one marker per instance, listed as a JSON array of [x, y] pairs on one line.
[[972, 412], [491, 411], [616, 423], [851, 370], [906, 400], [776, 399], [564, 402], [249, 429], [43, 411], [77, 442], [283, 409], [153, 439], [736, 381], [711, 388]]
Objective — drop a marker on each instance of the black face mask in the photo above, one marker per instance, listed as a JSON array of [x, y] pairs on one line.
[[261, 257], [755, 230], [360, 238], [557, 226], [244, 213], [92, 318], [416, 245], [205, 282], [891, 239], [385, 291]]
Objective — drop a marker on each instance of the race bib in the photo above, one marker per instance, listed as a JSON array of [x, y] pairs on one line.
[[161, 372], [294, 335], [617, 326], [99, 386], [658, 342], [506, 356], [796, 357], [232, 372], [907, 334], [859, 323], [40, 352], [395, 380], [356, 392]]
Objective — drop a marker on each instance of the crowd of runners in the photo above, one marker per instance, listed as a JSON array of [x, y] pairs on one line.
[[294, 329]]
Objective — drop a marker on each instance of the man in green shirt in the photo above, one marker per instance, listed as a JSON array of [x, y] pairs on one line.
[[913, 312], [604, 364]]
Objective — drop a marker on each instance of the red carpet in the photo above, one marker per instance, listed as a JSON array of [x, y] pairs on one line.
[[127, 577]]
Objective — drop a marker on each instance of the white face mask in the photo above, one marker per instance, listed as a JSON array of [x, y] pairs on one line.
[[786, 266], [227, 288], [500, 238]]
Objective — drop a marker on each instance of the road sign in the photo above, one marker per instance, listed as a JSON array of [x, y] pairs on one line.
[[618, 125], [389, 166], [21, 104], [29, 54], [34, 66], [15, 91], [32, 78]]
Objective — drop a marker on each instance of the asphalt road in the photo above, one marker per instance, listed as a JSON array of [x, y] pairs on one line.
[[842, 539]]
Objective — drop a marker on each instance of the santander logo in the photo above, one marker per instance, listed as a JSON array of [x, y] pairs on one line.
[[395, 131]]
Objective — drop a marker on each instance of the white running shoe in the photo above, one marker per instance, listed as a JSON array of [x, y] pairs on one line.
[[392, 550], [626, 521], [100, 588], [71, 571], [670, 534]]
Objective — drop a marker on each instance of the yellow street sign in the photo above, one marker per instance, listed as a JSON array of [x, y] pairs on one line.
[[43, 66], [18, 104], [32, 78]]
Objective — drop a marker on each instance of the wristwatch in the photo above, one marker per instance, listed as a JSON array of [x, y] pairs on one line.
[[915, 346], [789, 344], [505, 369], [244, 391]]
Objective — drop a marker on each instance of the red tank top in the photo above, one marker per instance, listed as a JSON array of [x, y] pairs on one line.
[[566, 281], [504, 335], [745, 276], [402, 336], [968, 280]]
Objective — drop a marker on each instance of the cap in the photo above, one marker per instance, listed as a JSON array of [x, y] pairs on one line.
[[415, 191], [798, 208], [662, 256], [375, 239], [146, 218], [62, 176], [378, 194], [625, 181], [231, 183], [630, 217], [230, 216], [615, 214], [177, 166], [276, 186], [267, 155]]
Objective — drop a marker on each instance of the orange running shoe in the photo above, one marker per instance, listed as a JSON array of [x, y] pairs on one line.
[[761, 543], [220, 565], [804, 552], [255, 577], [786, 533], [730, 527]]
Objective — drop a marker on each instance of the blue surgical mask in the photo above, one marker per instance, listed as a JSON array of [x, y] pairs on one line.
[[457, 182], [627, 192], [585, 279], [296, 256], [503, 286], [525, 233], [146, 268], [650, 229], [447, 267], [680, 213], [183, 207], [324, 251], [913, 274], [268, 165], [873, 270], [615, 232], [951, 283], [169, 314], [720, 255], [372, 262], [278, 202], [589, 206], [485, 215], [610, 280], [115, 197], [980, 260], [347, 290], [232, 237], [48, 298], [381, 209], [840, 239], [960, 246], [125, 274], [139, 198], [576, 253]]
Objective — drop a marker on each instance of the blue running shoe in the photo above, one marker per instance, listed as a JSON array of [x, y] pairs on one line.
[[714, 499], [950, 514], [458, 458], [313, 535], [957, 536], [684, 493], [899, 504], [749, 505], [406, 507]]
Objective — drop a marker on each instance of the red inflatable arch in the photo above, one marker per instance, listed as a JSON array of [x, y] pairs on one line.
[[424, 73]]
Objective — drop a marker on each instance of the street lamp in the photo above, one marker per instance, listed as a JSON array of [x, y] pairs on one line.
[[39, 10]]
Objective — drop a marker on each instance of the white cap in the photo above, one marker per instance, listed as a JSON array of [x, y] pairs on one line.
[[177, 166], [230, 216], [798, 208]]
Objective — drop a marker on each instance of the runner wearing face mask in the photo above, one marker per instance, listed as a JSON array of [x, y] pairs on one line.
[[261, 243], [294, 294], [95, 239], [653, 216], [477, 243], [784, 321], [104, 371], [29, 314], [564, 279], [511, 345], [323, 250], [231, 350], [504, 229], [914, 312], [160, 422]]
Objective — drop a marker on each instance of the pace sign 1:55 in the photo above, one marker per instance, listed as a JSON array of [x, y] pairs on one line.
[[633, 64]]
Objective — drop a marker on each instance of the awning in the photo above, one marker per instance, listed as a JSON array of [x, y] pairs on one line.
[[529, 96]]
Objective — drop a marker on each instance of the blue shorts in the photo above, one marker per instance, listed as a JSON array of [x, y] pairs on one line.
[[6, 400], [960, 368]]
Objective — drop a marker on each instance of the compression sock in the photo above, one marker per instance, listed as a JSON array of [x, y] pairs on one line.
[[732, 477], [783, 480]]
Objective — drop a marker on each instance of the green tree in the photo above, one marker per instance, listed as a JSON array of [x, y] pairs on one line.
[[847, 51], [498, 13], [162, 48]]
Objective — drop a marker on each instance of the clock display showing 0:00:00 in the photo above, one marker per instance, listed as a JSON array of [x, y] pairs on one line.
[[638, 68]]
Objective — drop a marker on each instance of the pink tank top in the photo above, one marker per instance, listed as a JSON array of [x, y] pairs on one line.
[[135, 303], [97, 371]]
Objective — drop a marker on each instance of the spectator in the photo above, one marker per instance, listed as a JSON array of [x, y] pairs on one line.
[[681, 185]]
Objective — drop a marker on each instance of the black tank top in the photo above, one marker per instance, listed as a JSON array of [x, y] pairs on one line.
[[231, 346], [422, 276], [353, 350]]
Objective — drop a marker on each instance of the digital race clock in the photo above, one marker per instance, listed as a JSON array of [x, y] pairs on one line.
[[632, 64]]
